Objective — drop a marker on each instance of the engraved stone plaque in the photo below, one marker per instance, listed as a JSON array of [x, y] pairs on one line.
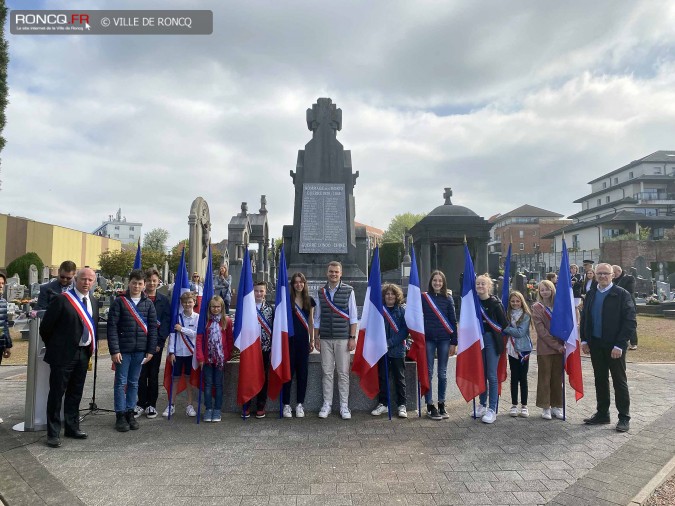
[[323, 225]]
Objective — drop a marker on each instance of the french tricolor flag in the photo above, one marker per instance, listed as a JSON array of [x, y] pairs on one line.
[[564, 325], [470, 372], [280, 369], [247, 338], [372, 343], [414, 319]]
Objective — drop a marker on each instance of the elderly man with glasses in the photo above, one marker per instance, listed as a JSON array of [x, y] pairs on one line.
[[61, 284], [607, 324]]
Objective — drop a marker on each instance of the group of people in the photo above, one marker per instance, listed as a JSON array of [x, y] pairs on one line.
[[139, 327], [606, 312]]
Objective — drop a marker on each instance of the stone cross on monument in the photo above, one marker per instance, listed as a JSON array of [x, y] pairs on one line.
[[446, 195]]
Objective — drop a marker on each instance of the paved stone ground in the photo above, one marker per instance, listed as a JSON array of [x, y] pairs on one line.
[[363, 461]]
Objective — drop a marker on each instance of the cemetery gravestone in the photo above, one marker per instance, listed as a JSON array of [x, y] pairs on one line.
[[45, 274], [32, 275]]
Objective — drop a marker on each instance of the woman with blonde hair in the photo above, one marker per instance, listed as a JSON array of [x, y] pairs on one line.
[[518, 349], [494, 321], [550, 352]]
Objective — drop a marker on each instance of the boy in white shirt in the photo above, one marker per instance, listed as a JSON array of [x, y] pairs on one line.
[[180, 352]]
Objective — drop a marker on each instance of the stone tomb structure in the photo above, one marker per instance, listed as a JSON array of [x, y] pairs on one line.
[[249, 228], [323, 218], [439, 242]]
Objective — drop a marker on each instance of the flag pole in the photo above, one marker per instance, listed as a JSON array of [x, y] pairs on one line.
[[281, 402], [474, 408], [199, 395], [386, 375], [171, 385], [563, 388], [419, 400]]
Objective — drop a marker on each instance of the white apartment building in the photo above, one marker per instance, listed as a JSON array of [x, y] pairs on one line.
[[117, 227], [640, 194]]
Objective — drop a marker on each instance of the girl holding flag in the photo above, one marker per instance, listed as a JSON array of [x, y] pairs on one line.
[[397, 332], [301, 344], [440, 330], [518, 348], [550, 352], [213, 356], [494, 321]]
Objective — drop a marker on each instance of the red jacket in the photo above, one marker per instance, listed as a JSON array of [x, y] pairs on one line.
[[227, 337]]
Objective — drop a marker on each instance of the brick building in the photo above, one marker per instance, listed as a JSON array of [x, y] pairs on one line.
[[524, 227]]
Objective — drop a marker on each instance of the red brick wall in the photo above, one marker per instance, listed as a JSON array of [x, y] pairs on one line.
[[624, 253]]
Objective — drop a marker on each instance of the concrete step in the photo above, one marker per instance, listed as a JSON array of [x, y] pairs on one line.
[[669, 313]]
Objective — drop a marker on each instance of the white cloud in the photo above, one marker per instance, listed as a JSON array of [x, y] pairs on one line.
[[508, 103]]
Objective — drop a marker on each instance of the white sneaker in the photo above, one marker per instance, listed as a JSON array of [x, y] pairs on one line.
[[546, 414], [138, 411], [379, 410], [325, 410], [190, 411], [514, 410], [345, 413], [402, 412], [480, 411], [288, 412], [489, 417], [299, 411], [150, 412], [557, 413], [171, 407], [524, 412]]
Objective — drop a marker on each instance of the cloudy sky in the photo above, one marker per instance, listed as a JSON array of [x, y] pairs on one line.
[[506, 102]]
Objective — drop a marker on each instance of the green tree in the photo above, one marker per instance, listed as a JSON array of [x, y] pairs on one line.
[[151, 258], [20, 266], [116, 263], [155, 240], [398, 224], [4, 60], [174, 254]]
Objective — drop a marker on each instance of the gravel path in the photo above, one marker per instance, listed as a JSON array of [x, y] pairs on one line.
[[664, 495]]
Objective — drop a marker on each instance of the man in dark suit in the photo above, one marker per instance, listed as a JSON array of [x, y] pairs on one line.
[[627, 282], [61, 284], [607, 323], [68, 330]]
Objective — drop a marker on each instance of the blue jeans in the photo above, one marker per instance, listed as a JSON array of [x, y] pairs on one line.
[[490, 363], [213, 378], [441, 349], [126, 375]]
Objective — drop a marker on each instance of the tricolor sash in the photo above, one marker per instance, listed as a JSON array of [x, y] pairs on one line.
[[83, 314], [264, 323], [441, 317], [131, 307], [332, 306], [491, 323], [186, 340], [549, 313], [523, 357], [389, 319], [301, 316]]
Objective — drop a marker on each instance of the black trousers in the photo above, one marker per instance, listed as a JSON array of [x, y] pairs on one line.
[[518, 379], [68, 380], [148, 383], [298, 349], [397, 372], [261, 398], [603, 365]]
